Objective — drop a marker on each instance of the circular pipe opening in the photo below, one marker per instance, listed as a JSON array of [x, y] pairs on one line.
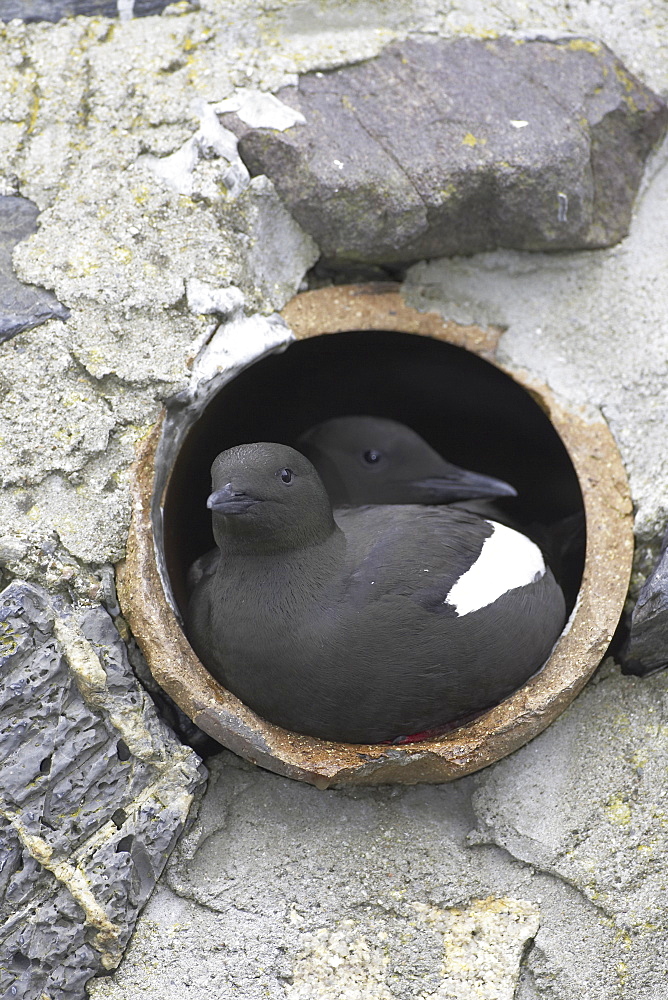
[[468, 410], [447, 385]]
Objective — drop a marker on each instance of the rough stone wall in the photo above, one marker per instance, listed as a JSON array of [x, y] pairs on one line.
[[95, 792], [146, 215]]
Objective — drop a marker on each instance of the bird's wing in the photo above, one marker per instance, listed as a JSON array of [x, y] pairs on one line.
[[417, 552], [204, 566]]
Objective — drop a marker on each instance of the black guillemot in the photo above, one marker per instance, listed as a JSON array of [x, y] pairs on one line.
[[370, 624], [363, 459]]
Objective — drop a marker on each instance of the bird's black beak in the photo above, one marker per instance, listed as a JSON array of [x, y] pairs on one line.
[[230, 501], [460, 484]]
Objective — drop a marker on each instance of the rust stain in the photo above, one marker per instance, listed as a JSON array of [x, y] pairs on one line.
[[379, 307]]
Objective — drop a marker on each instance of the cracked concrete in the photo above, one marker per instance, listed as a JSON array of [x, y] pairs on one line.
[[277, 883]]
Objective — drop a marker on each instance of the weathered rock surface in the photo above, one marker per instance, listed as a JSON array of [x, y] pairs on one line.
[[86, 103], [464, 145], [95, 792], [647, 647], [591, 811], [54, 10], [21, 306], [540, 877]]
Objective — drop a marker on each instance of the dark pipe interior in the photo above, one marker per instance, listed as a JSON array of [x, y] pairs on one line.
[[472, 413]]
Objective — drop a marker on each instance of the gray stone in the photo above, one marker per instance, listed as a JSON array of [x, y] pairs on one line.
[[464, 145], [647, 647], [55, 10], [95, 792], [21, 306]]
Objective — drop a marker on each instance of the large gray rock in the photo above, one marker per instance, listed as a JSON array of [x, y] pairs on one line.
[[462, 145], [21, 306], [95, 792], [647, 646]]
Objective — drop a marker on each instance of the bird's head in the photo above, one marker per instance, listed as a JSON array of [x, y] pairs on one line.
[[366, 460], [269, 494]]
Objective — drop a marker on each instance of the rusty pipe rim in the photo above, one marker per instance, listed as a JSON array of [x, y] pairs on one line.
[[495, 733]]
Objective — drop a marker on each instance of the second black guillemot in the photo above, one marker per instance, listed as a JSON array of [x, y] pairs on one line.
[[365, 459]]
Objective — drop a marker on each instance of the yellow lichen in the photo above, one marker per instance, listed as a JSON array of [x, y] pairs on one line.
[[470, 140], [122, 254], [8, 642], [618, 811], [624, 78], [584, 45], [34, 110]]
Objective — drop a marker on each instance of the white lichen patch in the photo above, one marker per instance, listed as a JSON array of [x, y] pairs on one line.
[[211, 140], [484, 943], [341, 963], [260, 110], [206, 300], [51, 417]]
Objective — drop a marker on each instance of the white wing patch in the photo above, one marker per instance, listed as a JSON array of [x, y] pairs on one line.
[[507, 560]]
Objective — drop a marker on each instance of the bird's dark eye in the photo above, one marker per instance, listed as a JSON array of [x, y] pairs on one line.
[[286, 475], [372, 456]]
